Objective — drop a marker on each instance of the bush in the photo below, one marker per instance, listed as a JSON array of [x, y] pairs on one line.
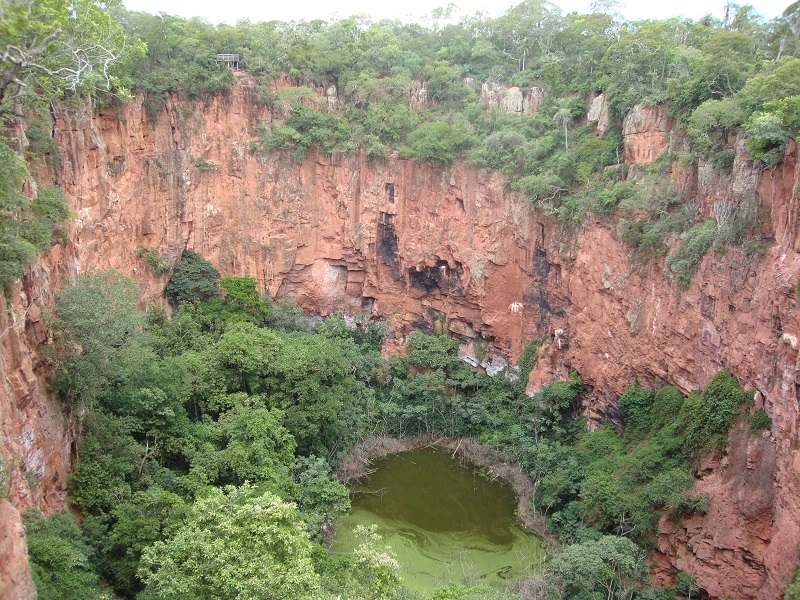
[[707, 415], [193, 279], [788, 109], [667, 404], [684, 260], [307, 127], [710, 121], [159, 264], [25, 225], [204, 166], [793, 589], [431, 351], [760, 421], [779, 80], [635, 405], [241, 294], [767, 137], [501, 150], [540, 188], [438, 141]]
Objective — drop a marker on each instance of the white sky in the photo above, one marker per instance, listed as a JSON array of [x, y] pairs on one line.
[[231, 11]]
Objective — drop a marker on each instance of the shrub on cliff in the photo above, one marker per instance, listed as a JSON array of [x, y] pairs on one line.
[[307, 127], [793, 589], [767, 137], [193, 279], [706, 415], [684, 260], [760, 421], [26, 225], [710, 122], [440, 141], [636, 405]]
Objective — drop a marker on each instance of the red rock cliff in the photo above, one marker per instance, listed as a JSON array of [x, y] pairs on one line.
[[419, 245]]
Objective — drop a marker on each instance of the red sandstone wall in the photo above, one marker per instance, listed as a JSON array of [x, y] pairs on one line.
[[35, 435], [411, 243]]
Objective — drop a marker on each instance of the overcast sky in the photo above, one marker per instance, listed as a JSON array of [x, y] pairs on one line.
[[231, 11]]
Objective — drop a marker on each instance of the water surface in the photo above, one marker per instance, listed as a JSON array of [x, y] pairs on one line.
[[444, 521]]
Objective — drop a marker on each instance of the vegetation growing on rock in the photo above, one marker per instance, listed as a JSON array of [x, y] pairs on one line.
[[197, 424]]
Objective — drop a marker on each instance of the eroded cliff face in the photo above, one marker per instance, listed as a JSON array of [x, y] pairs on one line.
[[433, 247], [35, 435], [415, 244]]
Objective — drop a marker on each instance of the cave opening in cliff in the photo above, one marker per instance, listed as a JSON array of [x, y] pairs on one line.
[[441, 276], [387, 248]]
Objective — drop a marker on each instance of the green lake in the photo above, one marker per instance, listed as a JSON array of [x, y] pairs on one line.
[[444, 521]]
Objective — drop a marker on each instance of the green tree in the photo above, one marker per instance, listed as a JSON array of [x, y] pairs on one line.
[[235, 544], [431, 351], [107, 460], [95, 319], [610, 567], [194, 278], [60, 559], [321, 498], [50, 47], [147, 517], [376, 571], [767, 137], [256, 446]]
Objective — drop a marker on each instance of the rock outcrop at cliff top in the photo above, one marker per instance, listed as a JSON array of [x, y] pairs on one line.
[[647, 130], [419, 245], [511, 99]]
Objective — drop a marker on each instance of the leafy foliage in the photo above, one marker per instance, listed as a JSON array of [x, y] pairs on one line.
[[760, 421], [58, 47], [432, 351], [793, 589], [684, 260], [59, 557], [234, 544], [26, 226], [707, 415], [95, 319], [608, 567], [307, 127], [157, 263], [194, 278], [437, 140]]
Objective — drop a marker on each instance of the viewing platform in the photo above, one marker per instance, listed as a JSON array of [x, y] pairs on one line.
[[231, 60]]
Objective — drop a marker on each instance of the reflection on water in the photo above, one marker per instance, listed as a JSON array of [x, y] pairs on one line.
[[444, 521]]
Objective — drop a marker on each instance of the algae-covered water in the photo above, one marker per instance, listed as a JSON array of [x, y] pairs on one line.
[[444, 521]]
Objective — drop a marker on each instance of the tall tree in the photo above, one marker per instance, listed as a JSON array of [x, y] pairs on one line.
[[48, 47], [235, 544]]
